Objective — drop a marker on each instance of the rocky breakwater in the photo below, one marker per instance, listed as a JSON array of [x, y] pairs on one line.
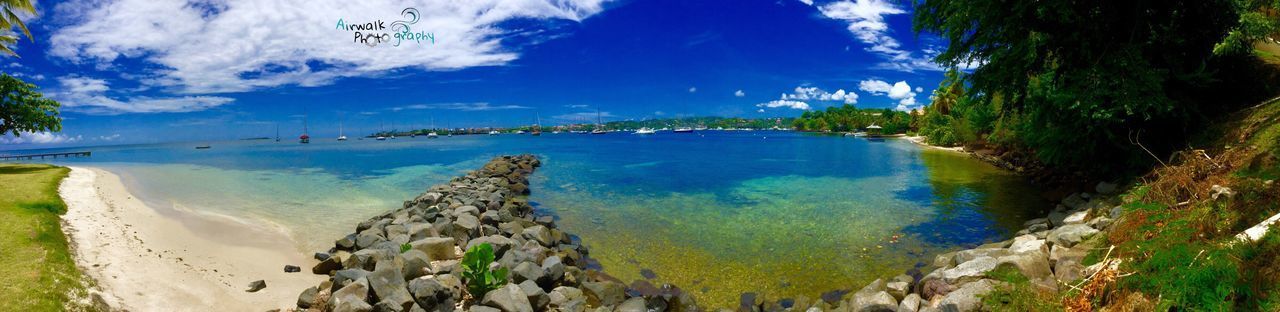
[[409, 259], [1049, 252]]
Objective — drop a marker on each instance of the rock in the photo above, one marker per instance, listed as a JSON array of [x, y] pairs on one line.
[[636, 304], [257, 285], [1034, 264], [970, 254], [466, 223], [351, 298], [453, 283], [436, 248], [320, 256], [970, 270], [500, 244], [1037, 227], [431, 295], [366, 239], [292, 269], [508, 299], [931, 288], [537, 297], [1028, 243], [540, 234], [1057, 217], [1116, 212], [480, 308], [945, 260], [554, 268], [366, 259], [1075, 201], [327, 266], [1216, 191], [388, 284], [414, 263], [898, 289], [1105, 188], [1100, 223], [1071, 234], [967, 297], [1068, 270], [342, 278], [307, 297], [606, 293], [1077, 217], [471, 210], [878, 301], [347, 242], [911, 303], [527, 271]]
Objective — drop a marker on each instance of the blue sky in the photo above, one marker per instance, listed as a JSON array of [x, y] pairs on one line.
[[137, 71]]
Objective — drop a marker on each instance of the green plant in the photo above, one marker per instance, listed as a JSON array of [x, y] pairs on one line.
[[475, 271], [405, 247], [1017, 293]]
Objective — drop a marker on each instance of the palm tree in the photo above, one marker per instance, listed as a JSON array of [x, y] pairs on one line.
[[9, 18]]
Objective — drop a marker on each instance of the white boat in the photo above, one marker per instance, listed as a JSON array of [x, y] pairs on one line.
[[645, 130], [341, 137], [432, 134], [381, 138], [519, 131], [683, 130], [599, 127], [493, 132]]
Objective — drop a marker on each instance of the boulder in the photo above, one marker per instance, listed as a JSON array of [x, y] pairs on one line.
[[346, 243], [431, 295], [388, 284], [635, 304], [1075, 201], [307, 297], [257, 285], [604, 293], [527, 271], [367, 238], [967, 297], [500, 244], [898, 289], [327, 266], [970, 254], [415, 263], [342, 278], [1028, 243], [537, 297], [467, 225], [436, 248], [540, 234], [509, 298], [1100, 223], [878, 301], [554, 268], [934, 287], [563, 295], [1077, 217], [970, 270], [1105, 188], [911, 303], [1034, 265], [1068, 270], [1071, 234], [351, 298]]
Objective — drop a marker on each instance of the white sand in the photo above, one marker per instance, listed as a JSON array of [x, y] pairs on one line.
[[146, 260], [920, 141]]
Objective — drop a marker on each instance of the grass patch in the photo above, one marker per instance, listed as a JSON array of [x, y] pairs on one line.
[[37, 272], [1017, 294]]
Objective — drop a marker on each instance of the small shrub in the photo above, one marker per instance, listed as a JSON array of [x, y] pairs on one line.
[[475, 271], [405, 247], [1017, 294]]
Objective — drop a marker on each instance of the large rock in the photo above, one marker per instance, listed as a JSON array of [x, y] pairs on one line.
[[1105, 188], [527, 271], [327, 266], [971, 270], [500, 244], [436, 248], [967, 297], [635, 304], [388, 284], [351, 298], [1028, 243], [537, 297], [431, 295], [509, 298], [563, 295], [540, 234], [1077, 217], [607, 293], [1034, 265], [416, 263], [911, 303], [307, 297], [1071, 234], [877, 302], [970, 254]]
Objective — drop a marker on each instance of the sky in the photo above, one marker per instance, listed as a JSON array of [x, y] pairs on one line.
[[142, 71]]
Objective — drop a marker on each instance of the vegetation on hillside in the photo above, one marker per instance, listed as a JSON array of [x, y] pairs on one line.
[[849, 118], [37, 272], [1078, 83]]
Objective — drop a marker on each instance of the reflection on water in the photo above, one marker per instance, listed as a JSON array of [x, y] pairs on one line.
[[716, 213]]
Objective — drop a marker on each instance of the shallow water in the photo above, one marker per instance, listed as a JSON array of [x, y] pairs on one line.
[[717, 213]]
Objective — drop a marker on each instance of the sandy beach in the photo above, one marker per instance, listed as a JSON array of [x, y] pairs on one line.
[[919, 140], [144, 259]]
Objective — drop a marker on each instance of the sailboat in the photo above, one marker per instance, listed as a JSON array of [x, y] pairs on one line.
[[341, 137], [381, 129], [277, 132], [599, 127], [304, 138], [432, 134], [537, 125]]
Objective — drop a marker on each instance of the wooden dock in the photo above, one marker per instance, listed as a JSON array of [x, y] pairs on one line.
[[42, 156]]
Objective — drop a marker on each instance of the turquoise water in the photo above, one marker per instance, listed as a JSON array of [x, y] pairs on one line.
[[718, 213]]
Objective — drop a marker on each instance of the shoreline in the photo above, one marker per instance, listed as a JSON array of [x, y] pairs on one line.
[[919, 140], [145, 259]]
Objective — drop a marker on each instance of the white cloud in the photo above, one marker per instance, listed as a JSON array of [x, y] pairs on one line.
[[38, 138], [919, 89], [784, 103], [807, 2], [576, 106], [112, 137], [866, 22], [693, 89], [218, 46], [89, 96], [739, 93], [588, 117], [815, 94], [900, 91], [760, 110], [475, 106]]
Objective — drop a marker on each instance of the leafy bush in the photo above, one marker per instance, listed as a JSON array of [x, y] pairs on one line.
[[475, 271], [1017, 294]]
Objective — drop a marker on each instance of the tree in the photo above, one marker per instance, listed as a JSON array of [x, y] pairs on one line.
[[23, 109], [1082, 74], [9, 18]]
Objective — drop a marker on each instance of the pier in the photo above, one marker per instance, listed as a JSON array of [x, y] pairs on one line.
[[42, 156]]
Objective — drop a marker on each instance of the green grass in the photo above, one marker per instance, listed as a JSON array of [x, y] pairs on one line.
[[37, 272], [1017, 294]]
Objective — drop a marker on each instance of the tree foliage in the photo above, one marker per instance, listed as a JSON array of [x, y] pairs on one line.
[[848, 118], [24, 109], [1074, 80], [9, 10]]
